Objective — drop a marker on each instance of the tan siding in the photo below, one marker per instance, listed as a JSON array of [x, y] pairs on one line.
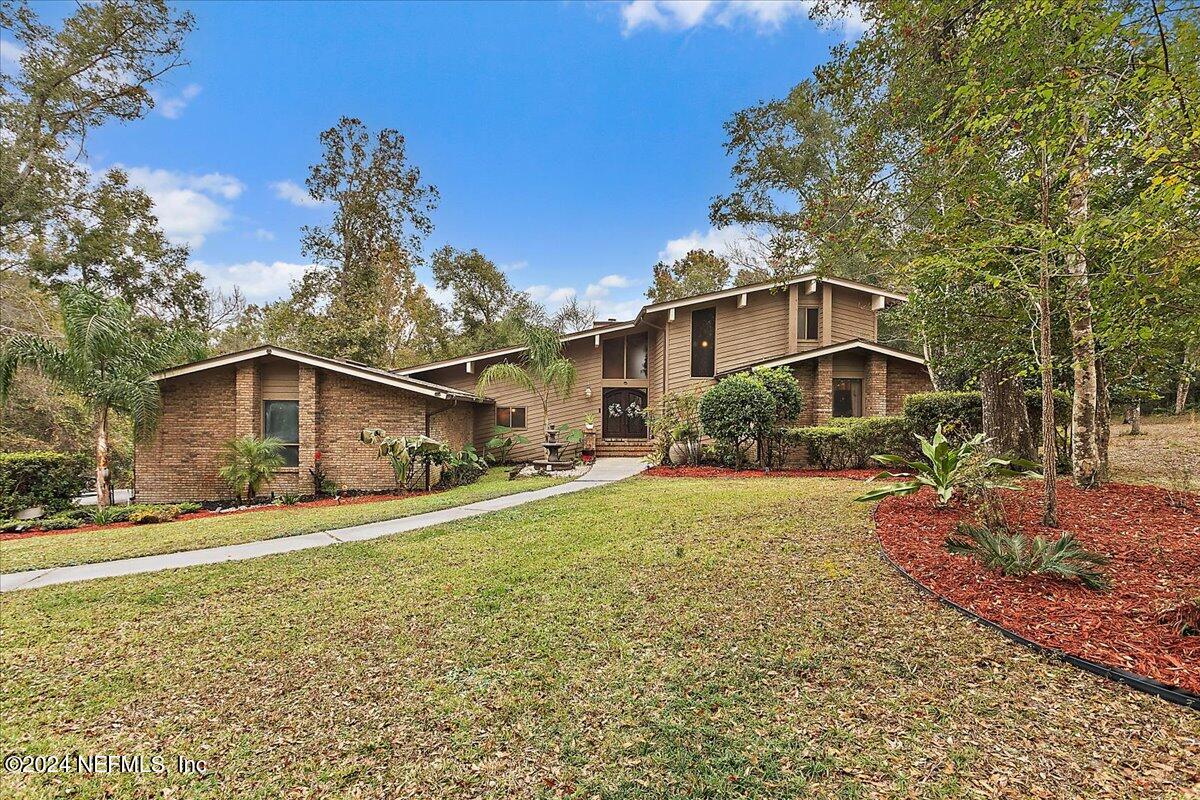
[[745, 336], [849, 365], [279, 379], [852, 315]]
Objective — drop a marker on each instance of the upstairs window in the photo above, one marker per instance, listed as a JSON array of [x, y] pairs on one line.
[[281, 419], [704, 343], [810, 328], [625, 357]]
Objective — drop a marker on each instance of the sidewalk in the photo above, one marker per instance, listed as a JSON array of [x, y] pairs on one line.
[[605, 471]]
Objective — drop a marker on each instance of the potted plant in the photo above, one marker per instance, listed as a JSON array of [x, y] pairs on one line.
[[589, 439]]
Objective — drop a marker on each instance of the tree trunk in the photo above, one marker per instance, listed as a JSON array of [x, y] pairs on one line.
[[1005, 413], [1185, 382], [1135, 419], [1049, 434], [1103, 427], [1085, 451], [102, 482]]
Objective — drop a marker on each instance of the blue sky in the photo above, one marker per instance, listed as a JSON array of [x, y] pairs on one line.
[[575, 143]]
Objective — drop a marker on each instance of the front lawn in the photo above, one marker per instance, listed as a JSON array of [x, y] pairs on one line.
[[87, 547], [653, 638]]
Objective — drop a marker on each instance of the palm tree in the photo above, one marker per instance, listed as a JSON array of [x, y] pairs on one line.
[[544, 371], [107, 360], [249, 462]]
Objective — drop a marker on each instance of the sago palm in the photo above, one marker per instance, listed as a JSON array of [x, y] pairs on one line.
[[543, 371], [105, 359], [248, 462]]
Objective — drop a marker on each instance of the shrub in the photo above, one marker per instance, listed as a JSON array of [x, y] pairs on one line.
[[1014, 554], [501, 444], [406, 453], [249, 462], [41, 478], [675, 420], [849, 442], [961, 413], [462, 467], [789, 402], [948, 469], [735, 411], [151, 515]]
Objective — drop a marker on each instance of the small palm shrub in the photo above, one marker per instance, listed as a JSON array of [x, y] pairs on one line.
[[949, 469], [249, 462], [1016, 555]]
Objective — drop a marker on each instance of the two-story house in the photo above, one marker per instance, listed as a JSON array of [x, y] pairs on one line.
[[824, 329]]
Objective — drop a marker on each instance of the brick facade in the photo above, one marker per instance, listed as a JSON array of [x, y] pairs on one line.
[[904, 378], [204, 410], [823, 390], [180, 460], [874, 390]]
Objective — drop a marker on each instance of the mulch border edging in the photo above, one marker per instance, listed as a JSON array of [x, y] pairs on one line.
[[1138, 682]]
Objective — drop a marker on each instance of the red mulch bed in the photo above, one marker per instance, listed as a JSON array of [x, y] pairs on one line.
[[725, 472], [1155, 552], [327, 501]]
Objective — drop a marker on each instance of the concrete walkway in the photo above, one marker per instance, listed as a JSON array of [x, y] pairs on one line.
[[605, 471]]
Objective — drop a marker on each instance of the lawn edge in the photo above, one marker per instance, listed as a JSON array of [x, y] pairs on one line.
[[1149, 686]]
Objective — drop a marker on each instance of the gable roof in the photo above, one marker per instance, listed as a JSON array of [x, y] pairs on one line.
[[351, 368], [827, 350], [607, 327], [765, 285], [663, 306]]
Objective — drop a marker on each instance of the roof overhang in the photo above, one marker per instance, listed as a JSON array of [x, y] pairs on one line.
[[333, 365], [738, 291], [840, 347], [597, 331]]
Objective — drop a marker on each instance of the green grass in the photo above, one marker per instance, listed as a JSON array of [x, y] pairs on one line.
[[88, 547], [653, 638]]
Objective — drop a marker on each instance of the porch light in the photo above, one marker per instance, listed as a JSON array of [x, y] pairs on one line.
[[587, 392]]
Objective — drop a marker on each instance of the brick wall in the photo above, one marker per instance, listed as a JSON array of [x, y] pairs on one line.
[[875, 386], [904, 378], [180, 461], [204, 410], [823, 390]]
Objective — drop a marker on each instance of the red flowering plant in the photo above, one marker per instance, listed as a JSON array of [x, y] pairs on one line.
[[322, 485]]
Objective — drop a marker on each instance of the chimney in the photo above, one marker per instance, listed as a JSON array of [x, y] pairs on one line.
[[600, 323]]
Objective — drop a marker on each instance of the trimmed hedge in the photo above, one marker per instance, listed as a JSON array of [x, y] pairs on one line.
[[849, 443], [961, 413], [41, 478]]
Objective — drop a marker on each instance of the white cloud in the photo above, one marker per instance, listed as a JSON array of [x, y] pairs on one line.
[[172, 107], [513, 266], [260, 282], [550, 296], [733, 242], [619, 309], [187, 206], [295, 194], [10, 57], [264, 235], [765, 16], [603, 287]]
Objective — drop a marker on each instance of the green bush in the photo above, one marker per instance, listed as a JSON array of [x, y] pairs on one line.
[[849, 442], [961, 413], [774, 443], [735, 411], [41, 478], [151, 515]]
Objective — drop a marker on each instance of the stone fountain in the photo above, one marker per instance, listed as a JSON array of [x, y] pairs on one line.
[[553, 462]]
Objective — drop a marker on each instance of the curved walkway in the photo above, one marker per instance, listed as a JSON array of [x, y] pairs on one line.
[[604, 471]]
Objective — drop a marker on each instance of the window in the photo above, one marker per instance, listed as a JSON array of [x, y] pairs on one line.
[[281, 419], [510, 417], [625, 357], [614, 357], [847, 397], [704, 343], [810, 327]]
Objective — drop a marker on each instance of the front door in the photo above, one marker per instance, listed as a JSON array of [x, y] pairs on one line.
[[623, 414]]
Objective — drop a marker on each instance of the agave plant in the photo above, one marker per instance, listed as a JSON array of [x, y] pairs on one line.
[[947, 469], [1016, 555]]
